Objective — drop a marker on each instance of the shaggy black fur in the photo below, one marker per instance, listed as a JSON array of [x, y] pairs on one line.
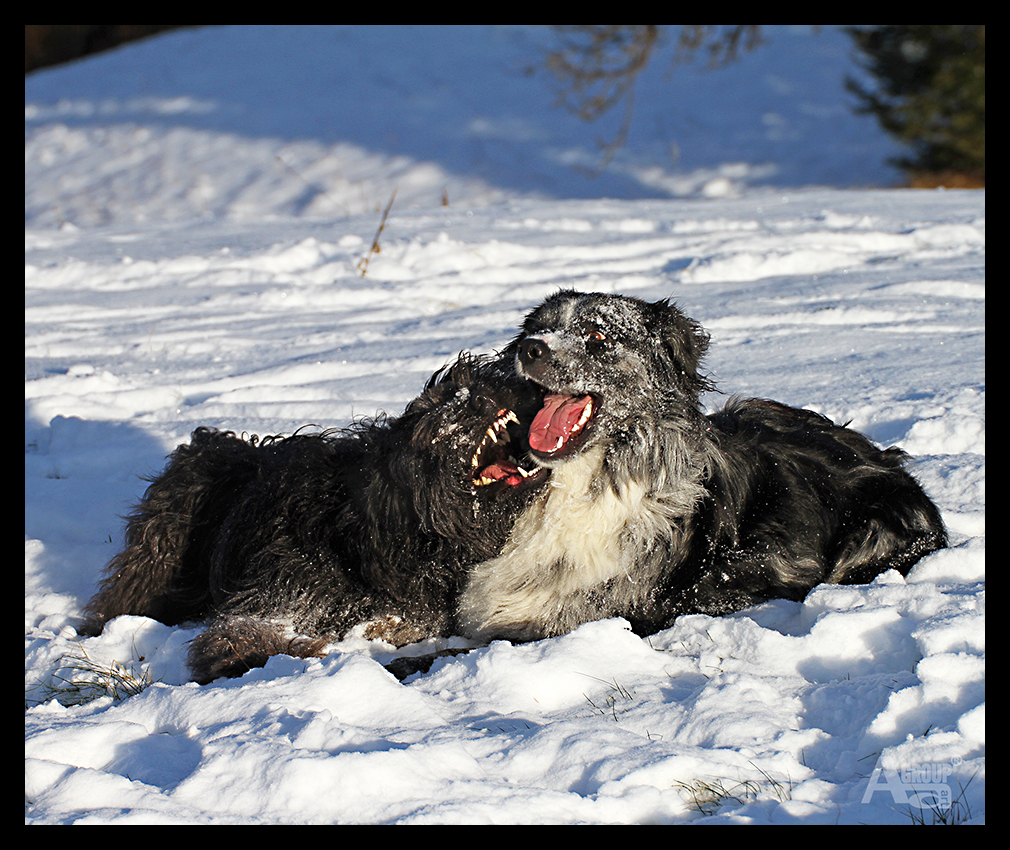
[[656, 510], [287, 543]]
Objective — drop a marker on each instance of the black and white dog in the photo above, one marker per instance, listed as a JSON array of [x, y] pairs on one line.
[[285, 544], [654, 510]]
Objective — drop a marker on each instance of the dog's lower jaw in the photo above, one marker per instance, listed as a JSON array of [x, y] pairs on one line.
[[566, 549]]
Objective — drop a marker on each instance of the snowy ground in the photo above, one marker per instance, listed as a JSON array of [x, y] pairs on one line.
[[173, 278]]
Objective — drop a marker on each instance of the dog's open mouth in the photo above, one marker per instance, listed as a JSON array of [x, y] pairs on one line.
[[494, 461], [561, 424]]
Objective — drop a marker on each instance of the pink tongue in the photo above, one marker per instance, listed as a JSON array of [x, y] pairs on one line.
[[553, 425], [498, 471]]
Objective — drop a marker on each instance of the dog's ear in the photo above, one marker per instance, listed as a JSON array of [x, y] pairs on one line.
[[684, 339]]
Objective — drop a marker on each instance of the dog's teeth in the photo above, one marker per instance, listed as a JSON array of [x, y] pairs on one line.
[[584, 418], [587, 413], [497, 432]]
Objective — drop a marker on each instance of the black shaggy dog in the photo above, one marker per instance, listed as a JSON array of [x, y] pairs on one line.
[[287, 543], [655, 510]]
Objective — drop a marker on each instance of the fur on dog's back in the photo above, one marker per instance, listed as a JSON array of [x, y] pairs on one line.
[[654, 510]]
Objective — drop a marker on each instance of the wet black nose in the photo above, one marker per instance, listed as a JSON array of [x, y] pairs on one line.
[[532, 349]]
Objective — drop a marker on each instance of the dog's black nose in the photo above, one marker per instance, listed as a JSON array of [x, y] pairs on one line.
[[532, 349]]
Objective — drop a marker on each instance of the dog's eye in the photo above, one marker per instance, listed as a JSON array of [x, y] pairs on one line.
[[597, 342]]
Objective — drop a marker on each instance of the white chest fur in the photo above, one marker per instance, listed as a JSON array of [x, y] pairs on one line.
[[577, 535]]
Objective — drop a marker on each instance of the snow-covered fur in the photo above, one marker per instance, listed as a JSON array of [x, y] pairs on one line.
[[654, 510], [287, 543]]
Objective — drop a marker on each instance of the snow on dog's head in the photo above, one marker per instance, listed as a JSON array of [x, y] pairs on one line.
[[594, 354]]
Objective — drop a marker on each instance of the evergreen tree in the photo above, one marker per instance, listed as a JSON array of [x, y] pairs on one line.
[[931, 96]]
